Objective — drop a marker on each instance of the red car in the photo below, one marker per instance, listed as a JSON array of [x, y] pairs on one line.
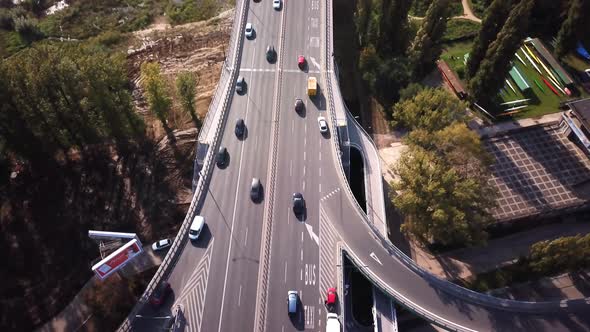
[[159, 294], [301, 62], [331, 297]]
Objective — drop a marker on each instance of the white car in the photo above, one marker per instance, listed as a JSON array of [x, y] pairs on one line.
[[161, 245], [249, 30], [323, 124], [196, 227], [276, 4]]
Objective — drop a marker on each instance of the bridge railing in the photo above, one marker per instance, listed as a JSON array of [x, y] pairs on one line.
[[443, 285], [219, 103]]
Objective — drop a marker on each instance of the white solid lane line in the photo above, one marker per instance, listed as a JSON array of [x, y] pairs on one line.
[[285, 272], [240, 296], [231, 232]]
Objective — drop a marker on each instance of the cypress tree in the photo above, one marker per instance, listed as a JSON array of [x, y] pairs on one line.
[[492, 70], [574, 27], [426, 47], [492, 23]]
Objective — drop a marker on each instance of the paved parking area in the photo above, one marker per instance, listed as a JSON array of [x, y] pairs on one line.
[[537, 169]]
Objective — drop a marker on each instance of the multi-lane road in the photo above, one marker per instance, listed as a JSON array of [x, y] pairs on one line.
[[217, 280]]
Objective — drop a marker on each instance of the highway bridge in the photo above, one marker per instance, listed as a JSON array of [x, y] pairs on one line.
[[237, 275]]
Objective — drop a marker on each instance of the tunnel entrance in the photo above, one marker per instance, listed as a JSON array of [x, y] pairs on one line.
[[356, 180]]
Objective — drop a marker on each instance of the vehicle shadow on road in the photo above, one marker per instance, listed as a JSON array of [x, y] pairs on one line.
[[204, 238]]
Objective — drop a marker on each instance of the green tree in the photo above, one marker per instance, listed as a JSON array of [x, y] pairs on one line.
[[440, 205], [426, 47], [155, 88], [410, 91], [430, 109], [54, 98], [574, 27], [490, 76], [492, 23], [563, 254], [186, 85]]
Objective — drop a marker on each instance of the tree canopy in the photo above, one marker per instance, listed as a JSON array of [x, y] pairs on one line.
[[439, 203], [426, 47], [562, 254], [443, 190], [429, 109], [54, 98]]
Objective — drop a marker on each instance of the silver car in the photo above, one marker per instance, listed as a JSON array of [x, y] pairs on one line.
[[292, 299]]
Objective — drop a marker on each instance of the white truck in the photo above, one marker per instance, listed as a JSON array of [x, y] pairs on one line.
[[332, 323]]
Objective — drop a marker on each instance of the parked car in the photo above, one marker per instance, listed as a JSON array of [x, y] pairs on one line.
[[323, 125], [159, 295], [161, 245], [249, 30], [196, 227], [271, 54], [240, 85], [298, 203], [292, 299], [240, 128], [276, 4]]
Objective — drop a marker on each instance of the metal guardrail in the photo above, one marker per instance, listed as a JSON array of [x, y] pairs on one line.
[[443, 285], [262, 298], [198, 196]]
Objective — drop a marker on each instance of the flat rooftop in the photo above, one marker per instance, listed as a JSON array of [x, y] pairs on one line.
[[537, 170]]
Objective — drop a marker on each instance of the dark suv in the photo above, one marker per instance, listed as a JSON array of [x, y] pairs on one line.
[[240, 127], [256, 190], [271, 54], [298, 204], [221, 157]]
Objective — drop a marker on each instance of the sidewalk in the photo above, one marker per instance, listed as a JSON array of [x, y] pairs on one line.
[[565, 286], [77, 314], [503, 127]]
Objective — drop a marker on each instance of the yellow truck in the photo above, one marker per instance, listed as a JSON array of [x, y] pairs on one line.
[[312, 86]]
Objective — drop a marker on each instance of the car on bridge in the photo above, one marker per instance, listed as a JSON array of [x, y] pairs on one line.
[[256, 190], [240, 128], [298, 204], [196, 227], [271, 54], [159, 294], [221, 158], [323, 125], [299, 105], [301, 62], [276, 4], [240, 85], [249, 30], [292, 299]]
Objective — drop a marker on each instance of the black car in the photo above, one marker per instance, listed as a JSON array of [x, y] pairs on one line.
[[271, 54], [298, 105], [221, 157], [240, 85], [298, 203], [255, 190], [159, 294], [240, 127]]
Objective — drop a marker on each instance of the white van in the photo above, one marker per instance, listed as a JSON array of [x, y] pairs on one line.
[[196, 227]]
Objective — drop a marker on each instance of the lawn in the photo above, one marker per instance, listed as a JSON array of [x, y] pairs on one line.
[[453, 54], [479, 7], [543, 100], [459, 28]]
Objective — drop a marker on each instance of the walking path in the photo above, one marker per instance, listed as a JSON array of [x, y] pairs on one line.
[[467, 14], [77, 314]]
